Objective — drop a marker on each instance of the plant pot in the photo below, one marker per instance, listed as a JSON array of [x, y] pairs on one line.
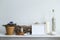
[[20, 33], [10, 30], [10, 27]]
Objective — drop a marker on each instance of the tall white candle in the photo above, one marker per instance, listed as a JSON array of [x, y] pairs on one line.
[[48, 27]]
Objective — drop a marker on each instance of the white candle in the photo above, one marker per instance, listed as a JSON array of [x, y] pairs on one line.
[[47, 27], [21, 29]]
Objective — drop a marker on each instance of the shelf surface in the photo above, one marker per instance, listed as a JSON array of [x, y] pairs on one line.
[[29, 35]]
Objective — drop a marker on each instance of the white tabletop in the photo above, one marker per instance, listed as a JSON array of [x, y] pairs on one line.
[[29, 35]]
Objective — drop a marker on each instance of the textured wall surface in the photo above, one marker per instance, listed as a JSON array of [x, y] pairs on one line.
[[57, 38], [28, 11]]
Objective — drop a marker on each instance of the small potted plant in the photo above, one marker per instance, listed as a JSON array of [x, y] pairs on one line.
[[19, 30], [10, 28]]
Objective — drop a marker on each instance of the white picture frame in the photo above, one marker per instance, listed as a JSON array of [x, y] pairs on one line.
[[38, 29]]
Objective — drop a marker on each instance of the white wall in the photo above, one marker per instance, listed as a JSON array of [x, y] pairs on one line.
[[28, 11]]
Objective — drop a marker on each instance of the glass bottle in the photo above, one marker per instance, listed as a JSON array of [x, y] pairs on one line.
[[53, 22]]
